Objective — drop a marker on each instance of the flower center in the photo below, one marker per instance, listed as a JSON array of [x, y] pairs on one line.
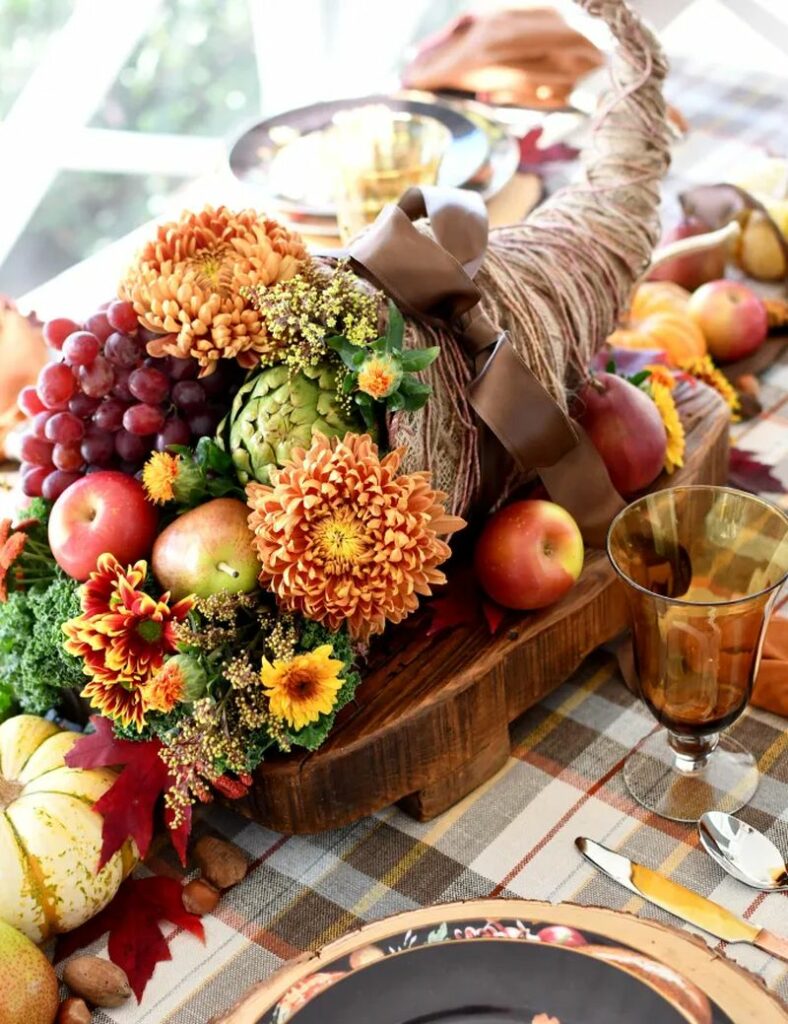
[[341, 541], [300, 684], [149, 630], [213, 269]]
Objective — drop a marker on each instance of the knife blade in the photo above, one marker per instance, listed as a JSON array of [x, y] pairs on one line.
[[680, 901]]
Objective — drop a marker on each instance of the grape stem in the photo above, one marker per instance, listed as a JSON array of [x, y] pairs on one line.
[[228, 569]]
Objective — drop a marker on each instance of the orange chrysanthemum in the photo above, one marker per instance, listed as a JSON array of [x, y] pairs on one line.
[[166, 689], [11, 547], [186, 283], [122, 636], [159, 475], [379, 376], [343, 538]]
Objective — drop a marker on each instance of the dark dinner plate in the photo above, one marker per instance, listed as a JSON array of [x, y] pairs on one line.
[[489, 982]]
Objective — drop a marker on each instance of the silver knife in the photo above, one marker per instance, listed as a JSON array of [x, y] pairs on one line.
[[678, 900]]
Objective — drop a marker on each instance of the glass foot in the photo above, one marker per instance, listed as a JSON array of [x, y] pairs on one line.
[[677, 784]]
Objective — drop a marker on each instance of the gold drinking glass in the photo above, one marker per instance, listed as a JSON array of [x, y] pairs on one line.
[[379, 153], [703, 567]]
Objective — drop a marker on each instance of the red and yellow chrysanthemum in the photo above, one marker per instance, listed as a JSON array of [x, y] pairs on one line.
[[123, 637], [344, 538]]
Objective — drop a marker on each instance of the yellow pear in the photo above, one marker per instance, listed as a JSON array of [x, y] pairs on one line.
[[28, 990], [760, 253]]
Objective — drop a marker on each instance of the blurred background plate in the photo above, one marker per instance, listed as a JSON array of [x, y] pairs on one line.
[[288, 156]]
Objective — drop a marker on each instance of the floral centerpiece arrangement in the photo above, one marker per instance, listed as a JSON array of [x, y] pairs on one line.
[[216, 527]]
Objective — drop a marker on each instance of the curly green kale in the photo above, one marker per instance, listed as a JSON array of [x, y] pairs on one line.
[[33, 663]]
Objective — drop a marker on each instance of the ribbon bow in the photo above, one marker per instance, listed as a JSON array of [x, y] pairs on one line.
[[432, 280]]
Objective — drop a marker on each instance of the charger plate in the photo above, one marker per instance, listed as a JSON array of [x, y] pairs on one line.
[[507, 961], [281, 153]]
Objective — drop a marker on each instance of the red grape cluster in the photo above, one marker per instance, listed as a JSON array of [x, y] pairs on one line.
[[107, 404]]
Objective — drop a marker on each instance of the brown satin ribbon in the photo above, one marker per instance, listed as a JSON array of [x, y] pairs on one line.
[[432, 280]]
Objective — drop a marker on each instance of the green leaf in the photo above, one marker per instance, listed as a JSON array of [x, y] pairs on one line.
[[412, 403], [348, 383], [364, 402], [411, 386], [639, 378], [439, 934], [395, 402], [415, 359], [396, 328], [611, 366]]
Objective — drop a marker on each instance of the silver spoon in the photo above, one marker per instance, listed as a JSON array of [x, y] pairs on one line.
[[743, 851]]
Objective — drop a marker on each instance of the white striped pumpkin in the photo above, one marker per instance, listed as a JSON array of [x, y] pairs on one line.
[[50, 837]]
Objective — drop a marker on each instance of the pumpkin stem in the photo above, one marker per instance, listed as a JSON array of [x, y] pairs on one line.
[[9, 791]]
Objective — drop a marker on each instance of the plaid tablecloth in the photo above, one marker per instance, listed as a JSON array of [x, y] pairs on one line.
[[513, 836]]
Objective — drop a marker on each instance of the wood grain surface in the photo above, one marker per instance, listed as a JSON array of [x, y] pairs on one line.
[[431, 719]]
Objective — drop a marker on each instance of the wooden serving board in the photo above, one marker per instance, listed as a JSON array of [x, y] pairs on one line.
[[431, 720]]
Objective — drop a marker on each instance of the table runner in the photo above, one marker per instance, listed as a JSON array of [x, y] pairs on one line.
[[513, 836]]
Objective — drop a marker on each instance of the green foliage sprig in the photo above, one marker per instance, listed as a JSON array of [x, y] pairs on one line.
[[382, 373]]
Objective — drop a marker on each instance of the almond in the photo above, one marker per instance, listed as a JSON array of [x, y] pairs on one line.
[[199, 897], [73, 1011], [97, 980], [221, 863]]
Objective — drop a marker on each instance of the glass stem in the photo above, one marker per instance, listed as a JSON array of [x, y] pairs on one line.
[[692, 753]]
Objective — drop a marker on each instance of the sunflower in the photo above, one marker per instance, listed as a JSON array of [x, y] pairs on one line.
[[304, 688], [190, 284], [702, 368], [664, 401], [343, 538], [122, 636]]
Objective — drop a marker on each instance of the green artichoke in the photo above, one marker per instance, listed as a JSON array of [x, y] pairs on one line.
[[278, 410]]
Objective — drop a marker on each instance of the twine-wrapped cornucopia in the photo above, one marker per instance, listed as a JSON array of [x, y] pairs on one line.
[[523, 322]]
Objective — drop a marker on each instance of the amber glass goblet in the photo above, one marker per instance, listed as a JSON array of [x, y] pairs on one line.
[[703, 567]]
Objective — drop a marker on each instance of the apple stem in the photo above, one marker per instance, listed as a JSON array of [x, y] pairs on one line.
[[224, 567]]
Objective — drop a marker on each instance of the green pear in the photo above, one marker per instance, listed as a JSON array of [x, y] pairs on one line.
[[207, 550], [28, 990]]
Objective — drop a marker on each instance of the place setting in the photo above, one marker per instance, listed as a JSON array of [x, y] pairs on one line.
[[393, 614]]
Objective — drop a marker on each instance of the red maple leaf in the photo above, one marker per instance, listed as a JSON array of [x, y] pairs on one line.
[[128, 806], [463, 604], [747, 473], [136, 942], [493, 615], [532, 154]]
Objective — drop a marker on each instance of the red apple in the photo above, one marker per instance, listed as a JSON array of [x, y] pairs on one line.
[[529, 554], [105, 511], [626, 429], [695, 268], [732, 317], [561, 935]]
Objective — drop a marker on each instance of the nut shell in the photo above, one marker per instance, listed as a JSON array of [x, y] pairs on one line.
[[97, 981], [221, 863]]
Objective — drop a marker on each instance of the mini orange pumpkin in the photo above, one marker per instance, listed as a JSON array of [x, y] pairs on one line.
[[658, 319]]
